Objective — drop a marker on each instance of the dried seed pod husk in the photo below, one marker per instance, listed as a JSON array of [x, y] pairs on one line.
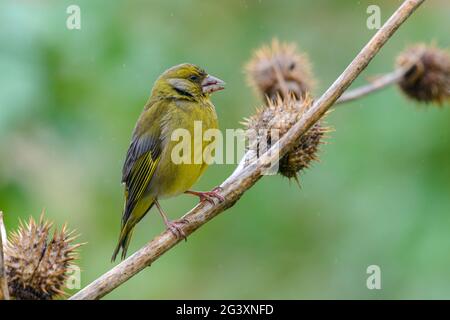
[[280, 69], [304, 153], [37, 262], [428, 80], [272, 121]]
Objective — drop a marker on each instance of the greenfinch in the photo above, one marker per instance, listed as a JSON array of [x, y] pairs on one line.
[[180, 97]]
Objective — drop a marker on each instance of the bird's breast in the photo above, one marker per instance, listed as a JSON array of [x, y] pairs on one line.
[[184, 157]]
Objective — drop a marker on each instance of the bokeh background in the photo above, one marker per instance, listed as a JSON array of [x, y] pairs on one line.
[[380, 195]]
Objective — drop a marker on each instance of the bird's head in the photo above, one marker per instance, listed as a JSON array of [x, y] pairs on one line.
[[186, 81]]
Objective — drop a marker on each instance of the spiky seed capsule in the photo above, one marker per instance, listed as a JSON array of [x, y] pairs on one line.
[[37, 263], [278, 68], [304, 153], [271, 122], [429, 78]]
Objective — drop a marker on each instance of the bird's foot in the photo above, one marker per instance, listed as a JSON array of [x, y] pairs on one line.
[[176, 227], [208, 196]]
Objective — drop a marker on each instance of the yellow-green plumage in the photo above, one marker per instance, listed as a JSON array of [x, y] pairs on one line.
[[179, 97]]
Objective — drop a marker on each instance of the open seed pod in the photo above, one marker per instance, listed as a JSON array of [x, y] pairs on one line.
[[429, 78], [37, 263], [280, 69], [271, 122]]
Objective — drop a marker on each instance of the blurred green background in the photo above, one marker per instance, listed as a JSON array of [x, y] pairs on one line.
[[380, 195]]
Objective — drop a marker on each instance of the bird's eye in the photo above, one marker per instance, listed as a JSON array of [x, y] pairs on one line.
[[193, 78]]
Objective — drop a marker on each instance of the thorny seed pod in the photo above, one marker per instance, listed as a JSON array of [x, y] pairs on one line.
[[271, 122], [36, 262], [280, 69], [429, 78]]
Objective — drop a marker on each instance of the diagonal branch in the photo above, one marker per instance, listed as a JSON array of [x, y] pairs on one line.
[[247, 174], [4, 293]]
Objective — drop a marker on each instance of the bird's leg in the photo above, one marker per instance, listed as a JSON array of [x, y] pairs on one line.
[[209, 195], [173, 226]]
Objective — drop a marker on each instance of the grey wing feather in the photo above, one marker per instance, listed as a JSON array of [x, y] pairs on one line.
[[138, 147], [140, 162]]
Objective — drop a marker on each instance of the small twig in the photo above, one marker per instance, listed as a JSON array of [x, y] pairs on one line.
[[379, 83], [4, 292], [240, 181]]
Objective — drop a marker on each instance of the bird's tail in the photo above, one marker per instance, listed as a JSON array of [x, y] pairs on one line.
[[128, 226], [124, 241]]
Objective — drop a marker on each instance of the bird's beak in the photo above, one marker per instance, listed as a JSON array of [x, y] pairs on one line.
[[212, 84]]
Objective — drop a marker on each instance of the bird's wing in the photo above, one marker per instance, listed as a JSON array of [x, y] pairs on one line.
[[147, 145], [141, 161]]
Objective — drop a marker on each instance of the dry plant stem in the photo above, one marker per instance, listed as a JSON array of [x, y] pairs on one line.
[[379, 84], [246, 176], [4, 293]]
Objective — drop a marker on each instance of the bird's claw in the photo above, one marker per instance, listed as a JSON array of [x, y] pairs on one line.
[[211, 195], [176, 228]]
